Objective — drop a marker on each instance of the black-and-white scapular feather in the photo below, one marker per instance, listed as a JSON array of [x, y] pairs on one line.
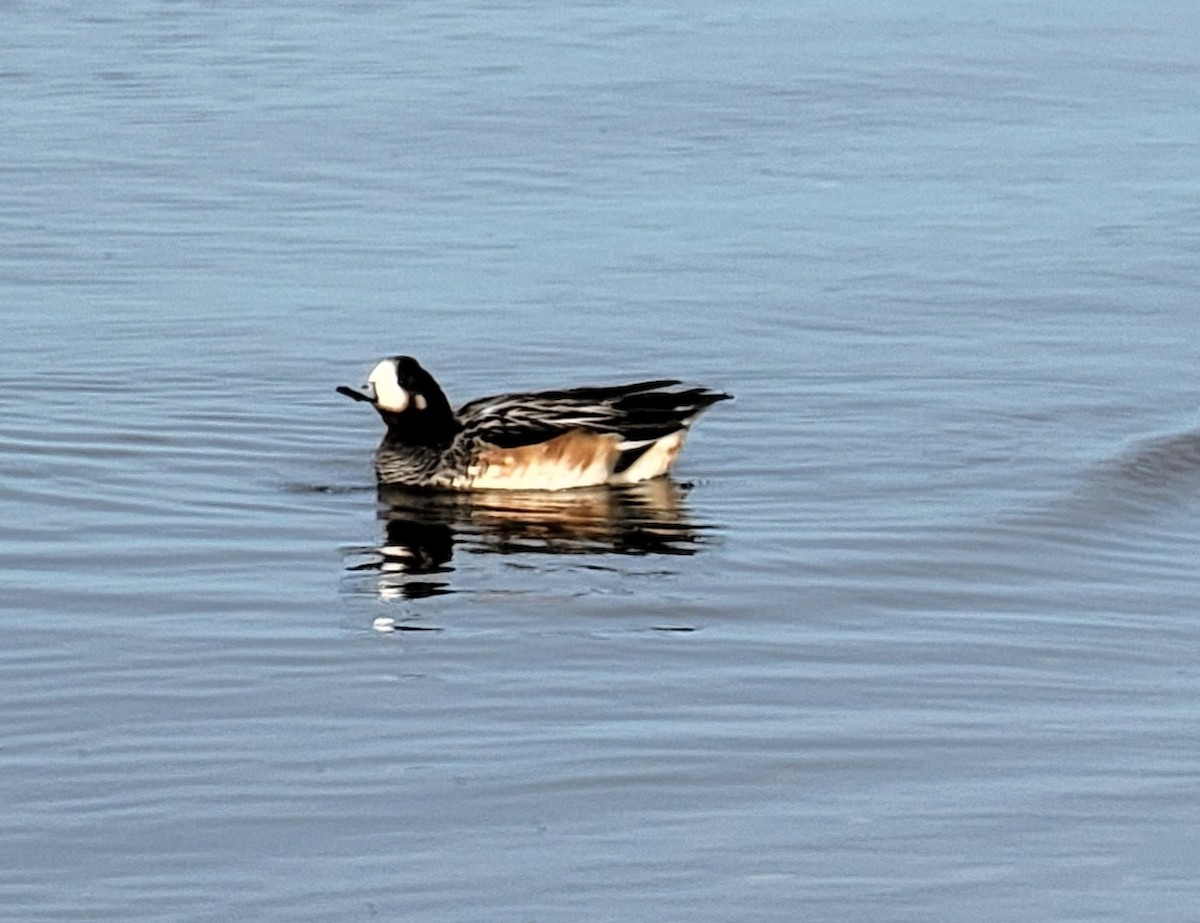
[[537, 440]]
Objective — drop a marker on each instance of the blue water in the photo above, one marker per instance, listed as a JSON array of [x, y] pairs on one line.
[[910, 637]]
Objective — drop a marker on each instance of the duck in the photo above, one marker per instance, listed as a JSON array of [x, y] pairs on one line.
[[530, 441]]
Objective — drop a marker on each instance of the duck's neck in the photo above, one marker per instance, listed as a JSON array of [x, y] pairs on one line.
[[419, 427]]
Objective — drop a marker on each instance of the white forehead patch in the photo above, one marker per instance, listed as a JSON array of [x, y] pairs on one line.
[[388, 393]]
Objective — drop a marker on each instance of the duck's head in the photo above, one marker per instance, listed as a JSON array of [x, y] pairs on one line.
[[405, 395]]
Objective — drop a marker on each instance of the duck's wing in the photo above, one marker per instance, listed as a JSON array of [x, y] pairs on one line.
[[639, 412]]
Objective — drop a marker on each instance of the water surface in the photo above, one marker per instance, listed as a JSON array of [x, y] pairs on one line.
[[909, 637]]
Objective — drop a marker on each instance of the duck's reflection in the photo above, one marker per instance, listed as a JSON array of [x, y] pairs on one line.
[[424, 530]]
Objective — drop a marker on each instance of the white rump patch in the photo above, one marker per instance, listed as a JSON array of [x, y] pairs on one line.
[[654, 462]]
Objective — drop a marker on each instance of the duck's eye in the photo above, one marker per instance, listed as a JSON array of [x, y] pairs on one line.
[[419, 401]]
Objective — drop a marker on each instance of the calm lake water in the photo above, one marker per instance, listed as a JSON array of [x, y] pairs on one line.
[[914, 634]]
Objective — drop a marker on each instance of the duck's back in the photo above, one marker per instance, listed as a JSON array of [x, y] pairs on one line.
[[579, 437]]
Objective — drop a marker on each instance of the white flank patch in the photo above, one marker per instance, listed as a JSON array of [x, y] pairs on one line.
[[527, 470], [549, 475]]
